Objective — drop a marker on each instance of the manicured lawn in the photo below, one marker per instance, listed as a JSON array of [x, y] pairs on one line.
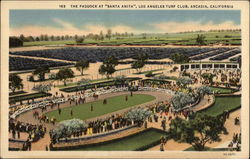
[[28, 97], [222, 90], [116, 103], [16, 93], [156, 39], [130, 143], [223, 103]]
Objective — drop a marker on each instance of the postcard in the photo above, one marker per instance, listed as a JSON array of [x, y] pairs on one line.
[[124, 79]]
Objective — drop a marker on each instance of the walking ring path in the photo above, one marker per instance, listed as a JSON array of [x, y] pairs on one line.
[[27, 117]]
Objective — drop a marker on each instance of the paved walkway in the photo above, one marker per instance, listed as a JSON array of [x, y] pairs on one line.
[[42, 58]]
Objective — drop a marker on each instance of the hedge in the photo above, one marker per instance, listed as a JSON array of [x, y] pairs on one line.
[[94, 85], [28, 97], [110, 141]]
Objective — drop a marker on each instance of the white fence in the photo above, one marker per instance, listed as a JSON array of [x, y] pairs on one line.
[[57, 100]]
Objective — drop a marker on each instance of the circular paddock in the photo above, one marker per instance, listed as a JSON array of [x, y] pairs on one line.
[[158, 97]]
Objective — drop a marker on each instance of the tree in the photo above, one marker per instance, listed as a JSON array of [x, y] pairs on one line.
[[46, 38], [15, 82], [203, 90], [79, 40], [22, 37], [179, 58], [37, 39], [208, 77], [101, 37], [62, 37], [42, 88], [108, 66], [138, 115], [42, 37], [76, 37], [63, 74], [30, 38], [67, 128], [15, 42], [58, 38], [109, 34], [41, 71], [199, 131], [181, 100], [82, 65], [183, 82], [121, 80], [200, 40], [140, 62], [66, 37], [52, 37]]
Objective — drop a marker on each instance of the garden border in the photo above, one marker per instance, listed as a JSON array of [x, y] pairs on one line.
[[110, 141]]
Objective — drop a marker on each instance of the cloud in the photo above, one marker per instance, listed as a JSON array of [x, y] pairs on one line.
[[172, 27], [68, 29]]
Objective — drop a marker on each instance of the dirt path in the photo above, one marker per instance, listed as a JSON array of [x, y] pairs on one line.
[[203, 103], [41, 144], [42, 58], [30, 48], [28, 116]]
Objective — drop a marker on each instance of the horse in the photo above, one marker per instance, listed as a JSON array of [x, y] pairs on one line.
[[95, 96]]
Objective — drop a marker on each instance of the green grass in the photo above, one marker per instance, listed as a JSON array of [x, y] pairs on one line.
[[223, 103], [131, 143], [16, 93], [156, 39], [222, 90], [28, 97], [116, 103], [40, 43]]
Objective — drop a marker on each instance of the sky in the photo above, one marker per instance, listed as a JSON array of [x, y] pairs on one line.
[[71, 22]]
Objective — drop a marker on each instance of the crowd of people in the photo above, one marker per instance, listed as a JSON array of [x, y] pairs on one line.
[[35, 132], [235, 144], [160, 110]]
